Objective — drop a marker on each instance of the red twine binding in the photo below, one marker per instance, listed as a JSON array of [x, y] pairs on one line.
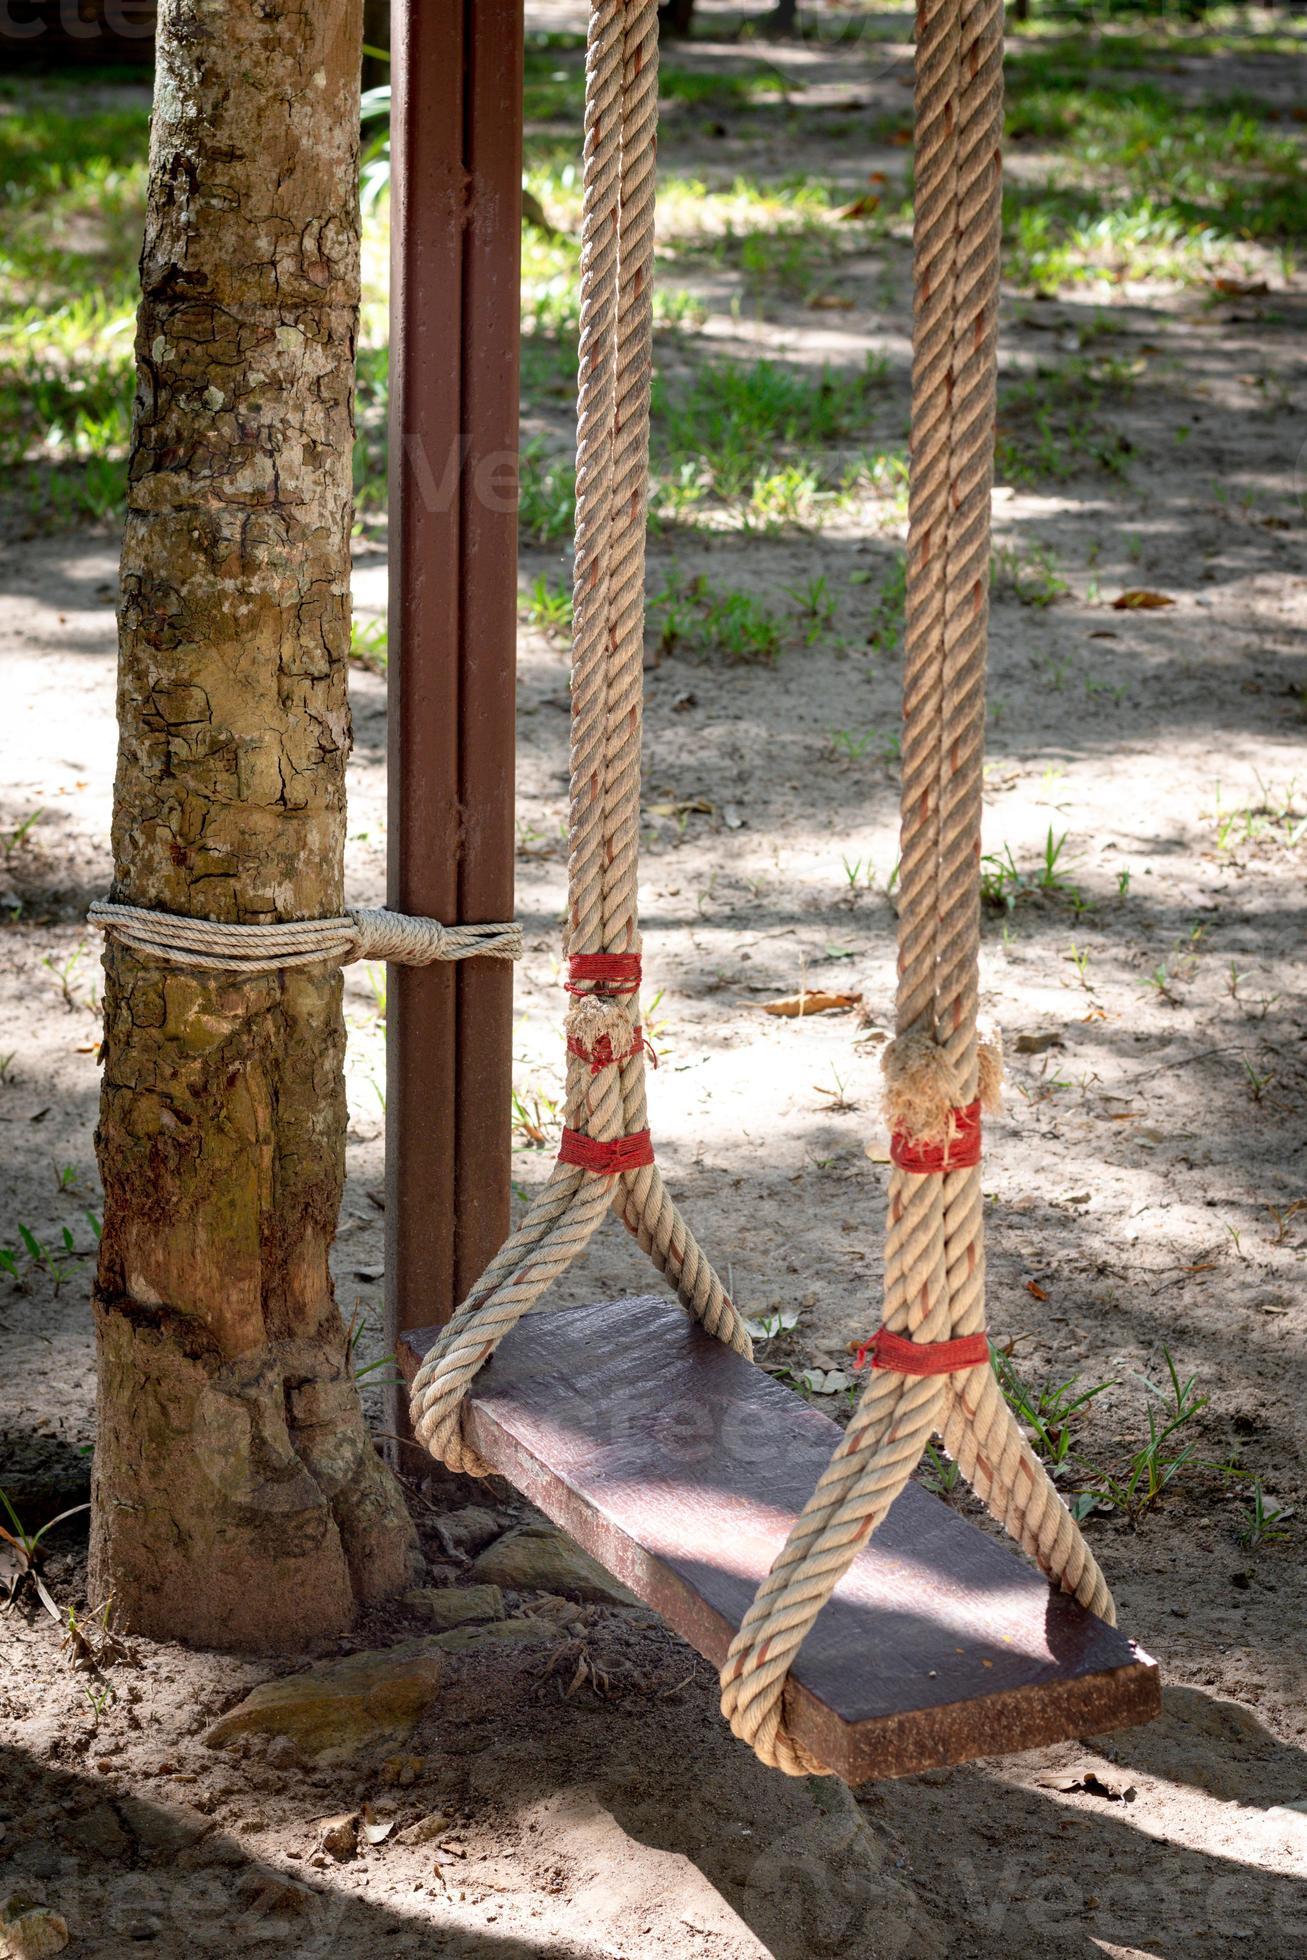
[[601, 1055], [608, 1159], [618, 973], [959, 1151], [907, 1357]]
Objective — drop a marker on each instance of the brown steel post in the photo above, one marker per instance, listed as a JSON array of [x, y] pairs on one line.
[[492, 268], [456, 249]]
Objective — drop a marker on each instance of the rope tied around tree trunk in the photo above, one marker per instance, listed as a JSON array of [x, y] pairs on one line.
[[213, 945], [931, 1371]]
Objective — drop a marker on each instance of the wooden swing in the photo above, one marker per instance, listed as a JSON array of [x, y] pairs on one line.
[[745, 1518]]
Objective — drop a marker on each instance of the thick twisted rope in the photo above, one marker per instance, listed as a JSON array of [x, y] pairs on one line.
[[214, 946], [934, 1292], [605, 1099], [934, 1253]]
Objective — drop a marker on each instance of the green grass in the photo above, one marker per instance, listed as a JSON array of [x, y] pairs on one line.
[[546, 509], [1004, 884], [1139, 183], [766, 442], [1030, 576], [1065, 420], [761, 437], [71, 212], [1117, 178], [549, 605], [696, 618], [369, 643]]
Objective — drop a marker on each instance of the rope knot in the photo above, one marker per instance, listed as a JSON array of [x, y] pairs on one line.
[[401, 940]]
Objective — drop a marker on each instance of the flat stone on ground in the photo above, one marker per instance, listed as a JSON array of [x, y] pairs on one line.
[[471, 1528], [494, 1633], [536, 1558], [341, 1709], [452, 1606], [29, 1930]]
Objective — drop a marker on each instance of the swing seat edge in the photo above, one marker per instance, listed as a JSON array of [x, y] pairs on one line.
[[680, 1467]]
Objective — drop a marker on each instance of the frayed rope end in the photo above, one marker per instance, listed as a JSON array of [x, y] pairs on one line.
[[923, 1089]]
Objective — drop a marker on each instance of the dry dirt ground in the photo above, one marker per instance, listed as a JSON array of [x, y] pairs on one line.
[[1148, 1190]]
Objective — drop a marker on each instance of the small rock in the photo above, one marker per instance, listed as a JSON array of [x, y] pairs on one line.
[[536, 1558], [221, 1850], [450, 1606], [495, 1633], [469, 1529], [100, 1832], [164, 1828], [402, 1770], [333, 1712], [282, 1753], [340, 1835], [29, 1930], [268, 1893], [433, 1825]]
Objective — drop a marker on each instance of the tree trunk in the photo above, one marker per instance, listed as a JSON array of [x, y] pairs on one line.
[[238, 1500]]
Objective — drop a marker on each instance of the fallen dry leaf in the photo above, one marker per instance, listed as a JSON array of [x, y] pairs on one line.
[[1093, 1785], [376, 1828], [830, 303], [1240, 288], [815, 1002], [861, 207], [698, 806], [1035, 1290], [1139, 599]]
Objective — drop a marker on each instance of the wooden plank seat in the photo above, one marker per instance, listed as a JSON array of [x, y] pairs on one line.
[[681, 1468]]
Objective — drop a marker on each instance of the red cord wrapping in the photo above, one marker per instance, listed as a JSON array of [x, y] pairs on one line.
[[959, 1152], [608, 1159], [907, 1357], [619, 971], [602, 1055]]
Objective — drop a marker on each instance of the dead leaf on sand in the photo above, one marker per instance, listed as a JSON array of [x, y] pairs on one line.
[[1139, 599], [794, 1006]]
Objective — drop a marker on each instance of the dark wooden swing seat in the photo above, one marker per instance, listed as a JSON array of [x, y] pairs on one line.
[[681, 1467]]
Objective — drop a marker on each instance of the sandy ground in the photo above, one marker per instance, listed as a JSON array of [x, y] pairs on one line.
[[1147, 1183]]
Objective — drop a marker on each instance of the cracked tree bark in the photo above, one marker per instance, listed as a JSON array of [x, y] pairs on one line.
[[238, 1500]]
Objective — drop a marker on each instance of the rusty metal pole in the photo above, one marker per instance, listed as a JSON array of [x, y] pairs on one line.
[[455, 273]]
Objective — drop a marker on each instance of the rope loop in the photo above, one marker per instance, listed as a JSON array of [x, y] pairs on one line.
[[606, 1161], [927, 1374]]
